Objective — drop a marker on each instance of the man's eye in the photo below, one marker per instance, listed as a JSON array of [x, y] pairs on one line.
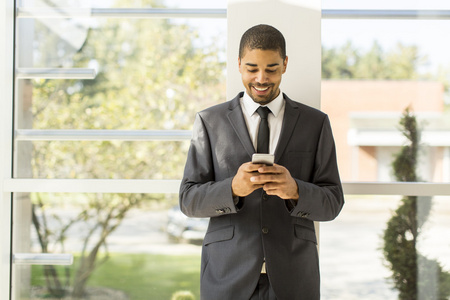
[[270, 71], [252, 71]]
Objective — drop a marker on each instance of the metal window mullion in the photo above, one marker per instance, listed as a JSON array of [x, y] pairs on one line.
[[64, 259], [386, 14], [102, 135], [55, 73], [172, 186], [36, 13], [397, 188], [158, 13], [132, 186]]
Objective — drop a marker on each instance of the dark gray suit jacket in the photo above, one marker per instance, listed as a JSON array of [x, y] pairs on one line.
[[240, 237]]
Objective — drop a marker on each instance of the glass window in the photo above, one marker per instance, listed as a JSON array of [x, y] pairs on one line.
[[358, 255], [373, 70], [93, 90], [90, 90], [103, 159], [124, 246], [149, 74]]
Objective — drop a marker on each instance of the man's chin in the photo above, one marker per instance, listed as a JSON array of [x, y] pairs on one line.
[[262, 100]]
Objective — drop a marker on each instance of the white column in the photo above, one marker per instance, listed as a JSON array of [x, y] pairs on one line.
[[299, 21], [6, 96]]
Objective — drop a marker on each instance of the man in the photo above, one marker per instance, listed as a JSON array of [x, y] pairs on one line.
[[261, 242]]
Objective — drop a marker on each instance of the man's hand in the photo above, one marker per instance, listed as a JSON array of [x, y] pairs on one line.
[[276, 180], [241, 184]]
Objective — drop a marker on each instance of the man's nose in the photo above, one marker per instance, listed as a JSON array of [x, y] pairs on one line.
[[261, 77]]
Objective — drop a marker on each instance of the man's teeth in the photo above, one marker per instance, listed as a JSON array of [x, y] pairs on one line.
[[261, 89]]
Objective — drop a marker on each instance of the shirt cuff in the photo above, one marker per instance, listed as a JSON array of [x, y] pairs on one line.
[[290, 204], [238, 202]]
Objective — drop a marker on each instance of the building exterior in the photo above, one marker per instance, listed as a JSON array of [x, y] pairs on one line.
[[365, 116]]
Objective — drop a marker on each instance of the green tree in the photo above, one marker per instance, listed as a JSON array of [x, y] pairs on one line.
[[347, 62], [412, 273], [339, 63], [151, 75]]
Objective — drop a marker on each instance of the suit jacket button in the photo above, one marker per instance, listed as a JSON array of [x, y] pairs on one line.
[[221, 211], [303, 214], [265, 230]]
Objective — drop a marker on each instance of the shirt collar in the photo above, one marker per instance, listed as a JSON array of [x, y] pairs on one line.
[[275, 105]]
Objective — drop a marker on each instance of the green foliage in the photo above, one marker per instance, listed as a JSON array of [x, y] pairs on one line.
[[141, 276], [412, 273], [151, 75], [402, 62], [405, 162], [348, 62]]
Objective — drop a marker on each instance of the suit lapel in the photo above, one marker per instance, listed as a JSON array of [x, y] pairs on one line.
[[238, 123], [291, 115]]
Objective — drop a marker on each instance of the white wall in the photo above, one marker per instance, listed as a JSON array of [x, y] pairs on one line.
[[299, 21]]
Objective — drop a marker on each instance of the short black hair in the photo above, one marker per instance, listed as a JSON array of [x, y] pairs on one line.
[[263, 37]]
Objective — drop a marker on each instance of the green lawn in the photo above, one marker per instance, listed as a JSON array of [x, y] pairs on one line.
[[142, 276]]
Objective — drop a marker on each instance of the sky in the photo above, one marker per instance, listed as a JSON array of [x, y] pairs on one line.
[[428, 35]]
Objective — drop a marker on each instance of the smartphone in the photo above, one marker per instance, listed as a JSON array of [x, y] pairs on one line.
[[263, 158]]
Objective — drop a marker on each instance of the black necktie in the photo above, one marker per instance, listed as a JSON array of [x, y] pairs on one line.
[[263, 132]]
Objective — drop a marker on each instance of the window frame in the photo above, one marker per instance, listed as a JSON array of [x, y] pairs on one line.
[[8, 75], [6, 144], [171, 186]]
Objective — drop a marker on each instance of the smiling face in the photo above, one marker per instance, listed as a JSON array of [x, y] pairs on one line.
[[261, 72]]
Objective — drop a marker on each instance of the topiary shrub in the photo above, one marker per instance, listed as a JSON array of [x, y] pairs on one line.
[[413, 275]]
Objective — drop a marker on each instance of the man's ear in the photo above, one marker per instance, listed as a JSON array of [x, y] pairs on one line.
[[285, 64], [239, 64]]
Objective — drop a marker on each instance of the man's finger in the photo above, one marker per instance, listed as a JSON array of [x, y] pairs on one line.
[[276, 169], [263, 179]]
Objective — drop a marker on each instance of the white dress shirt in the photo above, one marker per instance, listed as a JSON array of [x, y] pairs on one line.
[[275, 119]]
